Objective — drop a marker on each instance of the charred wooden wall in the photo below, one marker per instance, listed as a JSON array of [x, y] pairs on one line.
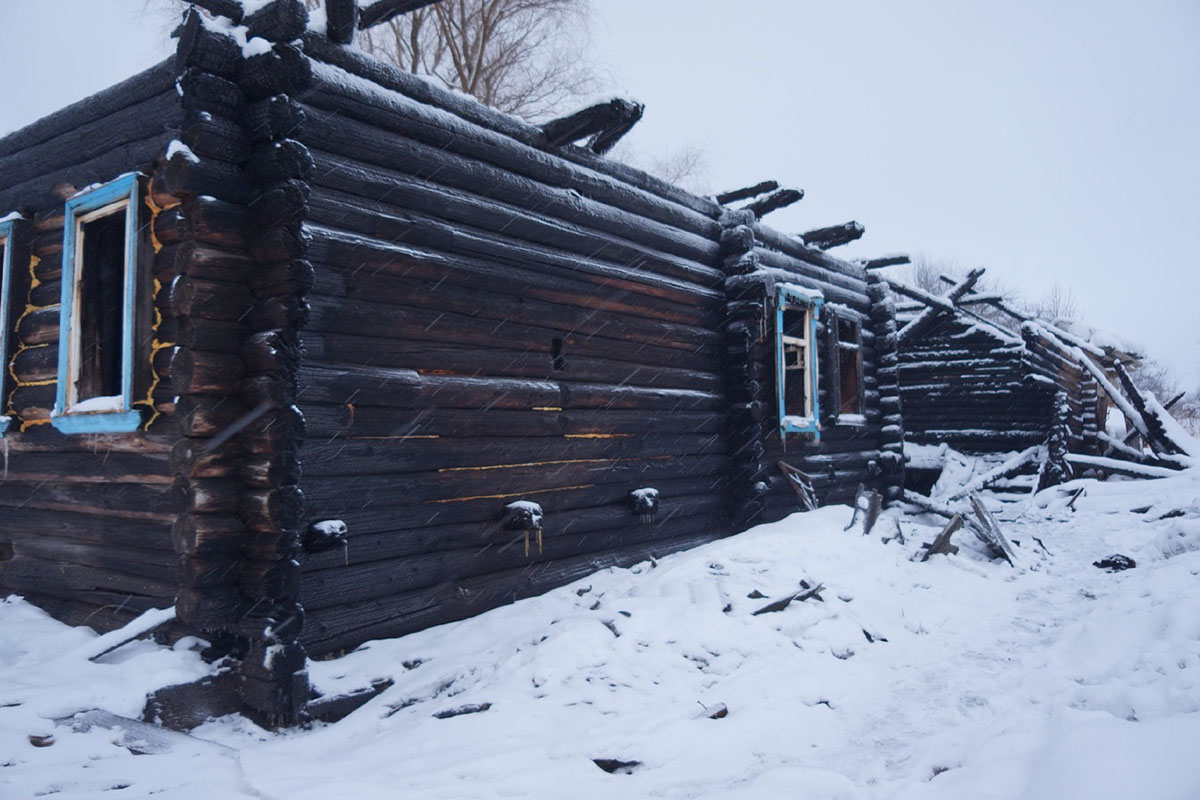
[[974, 390], [867, 452], [85, 520], [493, 321]]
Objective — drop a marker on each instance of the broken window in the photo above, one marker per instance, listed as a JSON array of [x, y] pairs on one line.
[[849, 367], [7, 226], [796, 361], [95, 364]]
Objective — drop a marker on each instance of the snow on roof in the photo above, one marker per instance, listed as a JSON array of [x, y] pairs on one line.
[[1099, 338]]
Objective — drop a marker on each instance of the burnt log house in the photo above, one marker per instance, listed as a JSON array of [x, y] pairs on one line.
[[318, 353], [985, 378]]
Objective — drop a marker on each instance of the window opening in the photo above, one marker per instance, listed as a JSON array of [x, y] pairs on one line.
[[797, 310], [96, 316], [849, 349], [99, 298]]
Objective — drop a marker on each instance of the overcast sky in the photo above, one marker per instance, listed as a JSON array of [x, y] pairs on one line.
[[1046, 141]]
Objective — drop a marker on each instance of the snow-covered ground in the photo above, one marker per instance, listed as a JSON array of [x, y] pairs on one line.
[[956, 678]]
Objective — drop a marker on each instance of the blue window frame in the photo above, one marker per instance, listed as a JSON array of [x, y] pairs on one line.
[[96, 318], [7, 226], [796, 312]]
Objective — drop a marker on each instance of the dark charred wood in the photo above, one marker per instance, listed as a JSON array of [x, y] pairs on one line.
[[834, 235], [280, 161], [205, 49], [204, 495], [341, 20], [382, 10], [725, 198], [285, 203], [208, 609], [278, 20], [272, 510], [146, 84], [230, 9], [183, 177], [271, 352], [207, 570], [274, 118], [199, 534], [886, 261], [210, 136], [203, 91], [202, 372], [780, 198], [207, 262], [278, 431], [191, 458], [204, 220], [280, 244], [283, 70], [265, 472], [202, 334], [206, 415], [283, 279], [599, 122], [501, 141]]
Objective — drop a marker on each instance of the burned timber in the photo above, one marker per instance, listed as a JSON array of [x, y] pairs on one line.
[[319, 353]]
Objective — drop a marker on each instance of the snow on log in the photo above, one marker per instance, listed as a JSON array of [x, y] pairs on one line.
[[605, 123], [725, 198], [927, 317], [834, 235], [1008, 468], [1120, 467], [780, 198], [886, 261]]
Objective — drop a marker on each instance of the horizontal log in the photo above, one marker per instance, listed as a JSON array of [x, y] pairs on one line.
[[323, 457], [357, 318], [363, 583], [834, 235], [146, 84], [108, 557], [331, 349], [59, 577], [469, 128], [198, 534], [414, 227], [416, 488], [214, 336], [196, 260], [555, 500], [640, 323], [529, 213], [395, 615], [203, 220], [185, 177], [516, 278], [363, 421]]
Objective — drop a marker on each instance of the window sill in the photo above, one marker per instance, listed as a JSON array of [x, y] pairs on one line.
[[800, 425], [107, 422]]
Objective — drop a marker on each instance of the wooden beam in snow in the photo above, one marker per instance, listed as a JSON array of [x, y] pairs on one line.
[[780, 198]]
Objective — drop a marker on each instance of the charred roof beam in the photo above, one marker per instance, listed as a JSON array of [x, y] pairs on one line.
[[604, 123]]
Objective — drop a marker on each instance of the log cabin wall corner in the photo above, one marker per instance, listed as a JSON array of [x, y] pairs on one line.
[[502, 363]]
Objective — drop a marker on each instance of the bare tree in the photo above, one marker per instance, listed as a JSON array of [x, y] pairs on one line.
[[685, 166], [1060, 303], [519, 56]]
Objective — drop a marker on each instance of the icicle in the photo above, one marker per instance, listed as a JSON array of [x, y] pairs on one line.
[[539, 538], [527, 543]]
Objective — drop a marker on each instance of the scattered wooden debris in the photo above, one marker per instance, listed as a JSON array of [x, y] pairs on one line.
[[873, 507], [184, 706], [1115, 563], [41, 740], [801, 483], [804, 594], [718, 711], [992, 536], [139, 738], [615, 765], [470, 708], [340, 706], [941, 544], [1006, 470]]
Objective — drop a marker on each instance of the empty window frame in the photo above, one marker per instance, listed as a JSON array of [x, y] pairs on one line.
[[796, 313], [8, 226], [96, 318], [846, 386]]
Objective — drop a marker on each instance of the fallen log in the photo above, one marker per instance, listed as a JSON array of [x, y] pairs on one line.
[[1009, 468], [834, 235], [941, 544], [1112, 465]]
